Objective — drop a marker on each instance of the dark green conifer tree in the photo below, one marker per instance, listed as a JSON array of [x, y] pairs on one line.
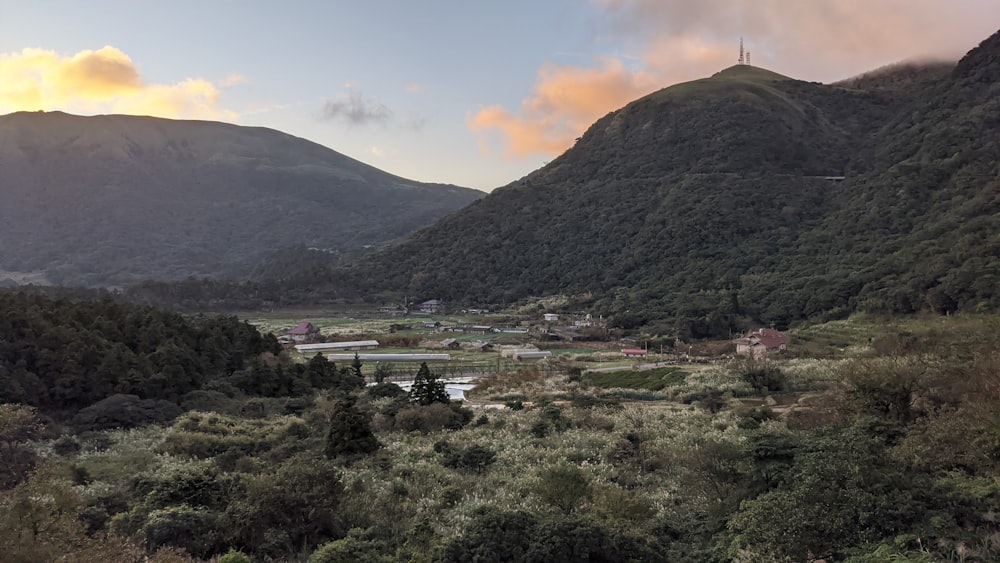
[[350, 430], [427, 389]]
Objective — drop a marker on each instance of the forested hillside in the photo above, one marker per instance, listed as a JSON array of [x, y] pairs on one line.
[[721, 200], [115, 199], [105, 364]]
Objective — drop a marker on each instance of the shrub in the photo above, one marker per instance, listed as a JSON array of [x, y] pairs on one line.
[[762, 376], [125, 411], [194, 529], [386, 391], [564, 487], [233, 556], [433, 417], [474, 458], [66, 446]]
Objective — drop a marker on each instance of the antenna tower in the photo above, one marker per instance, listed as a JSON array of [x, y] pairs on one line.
[[748, 58], [742, 59]]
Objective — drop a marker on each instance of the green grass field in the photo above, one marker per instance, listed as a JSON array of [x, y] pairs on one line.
[[651, 379]]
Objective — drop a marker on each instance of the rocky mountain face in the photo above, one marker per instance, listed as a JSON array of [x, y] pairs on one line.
[[108, 200]]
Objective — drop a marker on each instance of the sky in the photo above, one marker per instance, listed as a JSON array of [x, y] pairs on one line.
[[468, 92]]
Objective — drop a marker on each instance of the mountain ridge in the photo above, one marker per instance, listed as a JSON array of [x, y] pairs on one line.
[[746, 197], [102, 200]]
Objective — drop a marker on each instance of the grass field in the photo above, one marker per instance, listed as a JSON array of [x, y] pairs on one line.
[[651, 379]]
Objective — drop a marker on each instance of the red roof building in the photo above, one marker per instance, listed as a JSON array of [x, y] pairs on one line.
[[761, 342], [303, 332], [627, 352]]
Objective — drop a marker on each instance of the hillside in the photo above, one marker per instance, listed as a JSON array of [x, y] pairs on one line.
[[115, 199], [711, 204]]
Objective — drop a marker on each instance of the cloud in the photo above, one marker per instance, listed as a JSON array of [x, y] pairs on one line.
[[355, 109], [101, 81], [233, 79], [680, 40], [565, 100]]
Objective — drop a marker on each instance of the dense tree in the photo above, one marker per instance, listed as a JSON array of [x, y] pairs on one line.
[[350, 433], [427, 388]]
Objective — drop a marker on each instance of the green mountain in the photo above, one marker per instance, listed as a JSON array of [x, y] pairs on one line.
[[746, 196], [109, 200]]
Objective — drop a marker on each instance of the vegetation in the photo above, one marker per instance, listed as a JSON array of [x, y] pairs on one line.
[[890, 452], [704, 209], [210, 208], [651, 379]]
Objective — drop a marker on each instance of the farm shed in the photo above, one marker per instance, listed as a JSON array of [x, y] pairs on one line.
[[327, 346]]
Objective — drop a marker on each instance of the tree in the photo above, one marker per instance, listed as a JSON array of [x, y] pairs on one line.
[[18, 425], [564, 486], [427, 389], [350, 430]]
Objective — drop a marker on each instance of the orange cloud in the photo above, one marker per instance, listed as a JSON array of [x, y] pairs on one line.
[[101, 81], [681, 40], [564, 102]]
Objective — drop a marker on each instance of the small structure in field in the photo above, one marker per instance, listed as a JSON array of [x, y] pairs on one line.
[[303, 332], [390, 357], [761, 343], [450, 343], [523, 354], [328, 346], [633, 352], [483, 346]]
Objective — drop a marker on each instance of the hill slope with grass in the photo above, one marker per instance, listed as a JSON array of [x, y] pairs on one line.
[[108, 200]]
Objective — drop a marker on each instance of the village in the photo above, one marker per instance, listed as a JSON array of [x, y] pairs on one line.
[[473, 342]]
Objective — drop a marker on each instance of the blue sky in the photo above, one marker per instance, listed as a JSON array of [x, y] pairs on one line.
[[466, 92]]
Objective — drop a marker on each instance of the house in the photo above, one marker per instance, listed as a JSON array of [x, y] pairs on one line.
[[633, 352], [429, 324], [761, 342], [392, 310], [450, 343], [432, 306], [483, 346], [303, 332], [550, 317]]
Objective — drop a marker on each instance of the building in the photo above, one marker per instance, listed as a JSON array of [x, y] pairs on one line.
[[392, 310], [432, 306], [303, 332], [483, 346], [450, 343], [550, 317], [328, 346], [761, 343], [633, 352]]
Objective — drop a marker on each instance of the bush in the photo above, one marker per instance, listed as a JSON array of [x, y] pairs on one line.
[[432, 417], [196, 530], [764, 377], [386, 391], [66, 446], [125, 411], [206, 401], [474, 458], [233, 556]]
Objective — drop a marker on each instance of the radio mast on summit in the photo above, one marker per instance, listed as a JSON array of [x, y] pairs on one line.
[[743, 60]]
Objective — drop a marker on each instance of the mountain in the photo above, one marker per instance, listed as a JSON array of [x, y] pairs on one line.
[[746, 197], [113, 199]]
